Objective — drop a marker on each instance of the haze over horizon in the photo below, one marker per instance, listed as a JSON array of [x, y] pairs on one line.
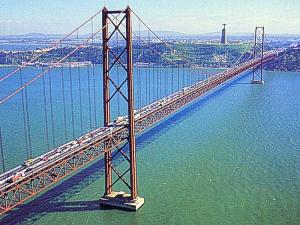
[[162, 33], [193, 17]]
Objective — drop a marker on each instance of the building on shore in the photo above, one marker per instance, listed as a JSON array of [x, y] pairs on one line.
[[224, 36]]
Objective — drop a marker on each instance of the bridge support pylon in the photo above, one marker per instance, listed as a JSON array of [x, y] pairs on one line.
[[113, 57], [258, 52]]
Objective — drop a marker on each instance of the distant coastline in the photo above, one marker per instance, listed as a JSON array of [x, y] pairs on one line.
[[90, 65], [196, 52]]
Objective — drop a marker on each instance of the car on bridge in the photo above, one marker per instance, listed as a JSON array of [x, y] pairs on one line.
[[27, 163]]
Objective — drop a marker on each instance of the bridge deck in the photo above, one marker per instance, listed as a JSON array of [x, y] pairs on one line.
[[23, 182]]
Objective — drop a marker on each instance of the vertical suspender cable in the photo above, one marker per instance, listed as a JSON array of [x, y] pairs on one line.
[[165, 80], [183, 76], [189, 75], [94, 76], [157, 79], [72, 102], [139, 69], [64, 102], [143, 75], [2, 152], [79, 90], [157, 82], [24, 116], [94, 90], [178, 78], [152, 79], [147, 86], [172, 71], [51, 110], [28, 124], [46, 114], [149, 77], [192, 77], [63, 96], [147, 70], [145, 79], [152, 86], [160, 70], [80, 99], [89, 94]]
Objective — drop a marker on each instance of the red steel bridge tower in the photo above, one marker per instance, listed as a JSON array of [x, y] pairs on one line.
[[258, 53], [123, 59]]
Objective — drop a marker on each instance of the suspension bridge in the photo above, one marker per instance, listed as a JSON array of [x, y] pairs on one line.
[[136, 94]]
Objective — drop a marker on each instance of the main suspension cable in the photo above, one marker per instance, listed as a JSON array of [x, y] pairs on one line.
[[56, 44], [57, 64]]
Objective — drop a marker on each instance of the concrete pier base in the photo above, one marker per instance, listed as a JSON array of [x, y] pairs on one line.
[[257, 82], [121, 200]]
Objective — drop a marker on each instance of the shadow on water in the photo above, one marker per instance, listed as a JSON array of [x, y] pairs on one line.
[[243, 83], [55, 199]]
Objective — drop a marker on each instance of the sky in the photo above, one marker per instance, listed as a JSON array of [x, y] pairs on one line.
[[186, 16]]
